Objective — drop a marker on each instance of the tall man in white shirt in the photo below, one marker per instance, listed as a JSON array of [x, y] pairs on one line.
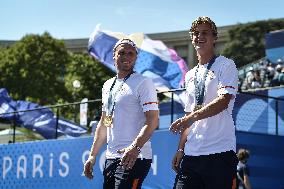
[[129, 117], [205, 158]]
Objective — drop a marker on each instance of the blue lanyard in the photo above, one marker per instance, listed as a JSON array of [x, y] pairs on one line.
[[111, 97], [200, 86]]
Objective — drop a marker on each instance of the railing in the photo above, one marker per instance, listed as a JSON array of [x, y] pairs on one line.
[[64, 110], [259, 113], [253, 112]]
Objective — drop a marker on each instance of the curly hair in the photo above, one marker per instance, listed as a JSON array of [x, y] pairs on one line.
[[203, 20], [243, 154]]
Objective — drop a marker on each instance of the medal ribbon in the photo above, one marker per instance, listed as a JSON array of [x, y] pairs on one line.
[[200, 86], [111, 97]]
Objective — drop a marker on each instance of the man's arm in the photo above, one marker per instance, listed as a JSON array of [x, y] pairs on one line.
[[183, 139], [180, 151], [213, 108], [131, 153], [246, 179], [99, 140], [100, 137], [152, 119]]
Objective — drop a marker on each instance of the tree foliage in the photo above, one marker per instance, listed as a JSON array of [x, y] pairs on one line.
[[32, 69], [247, 41], [91, 75], [38, 68]]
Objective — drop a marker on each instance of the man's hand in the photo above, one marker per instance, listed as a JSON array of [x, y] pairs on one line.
[[176, 160], [88, 167], [180, 125], [129, 156]]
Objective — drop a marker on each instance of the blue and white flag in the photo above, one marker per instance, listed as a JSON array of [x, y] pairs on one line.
[[154, 60], [42, 121], [6, 105]]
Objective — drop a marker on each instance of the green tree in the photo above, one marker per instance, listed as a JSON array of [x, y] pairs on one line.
[[91, 75], [247, 41], [32, 69]]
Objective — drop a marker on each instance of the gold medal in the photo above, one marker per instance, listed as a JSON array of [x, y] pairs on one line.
[[197, 107], [107, 121]]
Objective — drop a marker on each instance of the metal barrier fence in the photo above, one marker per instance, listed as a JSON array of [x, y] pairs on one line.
[[260, 113], [253, 112], [68, 111]]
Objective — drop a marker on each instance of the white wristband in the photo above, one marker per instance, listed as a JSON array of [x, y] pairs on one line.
[[92, 159], [180, 150]]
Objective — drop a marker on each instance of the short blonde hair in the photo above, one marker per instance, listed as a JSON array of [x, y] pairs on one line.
[[203, 20], [243, 154]]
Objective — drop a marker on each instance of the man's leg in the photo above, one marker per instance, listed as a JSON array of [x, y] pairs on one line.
[[188, 176], [117, 177], [108, 173], [132, 179], [220, 170]]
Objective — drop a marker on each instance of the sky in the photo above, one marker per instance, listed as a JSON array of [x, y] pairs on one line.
[[70, 19]]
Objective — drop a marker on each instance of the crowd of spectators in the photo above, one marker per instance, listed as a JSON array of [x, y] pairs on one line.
[[262, 75]]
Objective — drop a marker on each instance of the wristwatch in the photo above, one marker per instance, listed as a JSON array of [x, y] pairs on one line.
[[137, 148]]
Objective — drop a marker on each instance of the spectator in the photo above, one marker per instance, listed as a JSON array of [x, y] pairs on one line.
[[256, 80], [262, 74], [243, 170], [270, 71], [262, 69], [275, 81], [281, 77], [248, 80]]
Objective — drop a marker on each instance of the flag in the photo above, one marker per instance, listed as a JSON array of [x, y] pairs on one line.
[[69, 128], [155, 59], [274, 46], [6, 105], [42, 121]]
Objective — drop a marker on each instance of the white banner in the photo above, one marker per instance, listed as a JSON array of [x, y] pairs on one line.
[[84, 112]]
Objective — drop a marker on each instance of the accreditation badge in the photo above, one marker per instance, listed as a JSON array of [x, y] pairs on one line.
[[107, 120]]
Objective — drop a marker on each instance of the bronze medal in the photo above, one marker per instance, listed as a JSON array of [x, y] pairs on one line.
[[199, 84], [107, 121], [197, 107]]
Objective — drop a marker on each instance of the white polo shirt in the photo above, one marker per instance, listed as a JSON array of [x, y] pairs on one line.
[[136, 96], [217, 133]]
